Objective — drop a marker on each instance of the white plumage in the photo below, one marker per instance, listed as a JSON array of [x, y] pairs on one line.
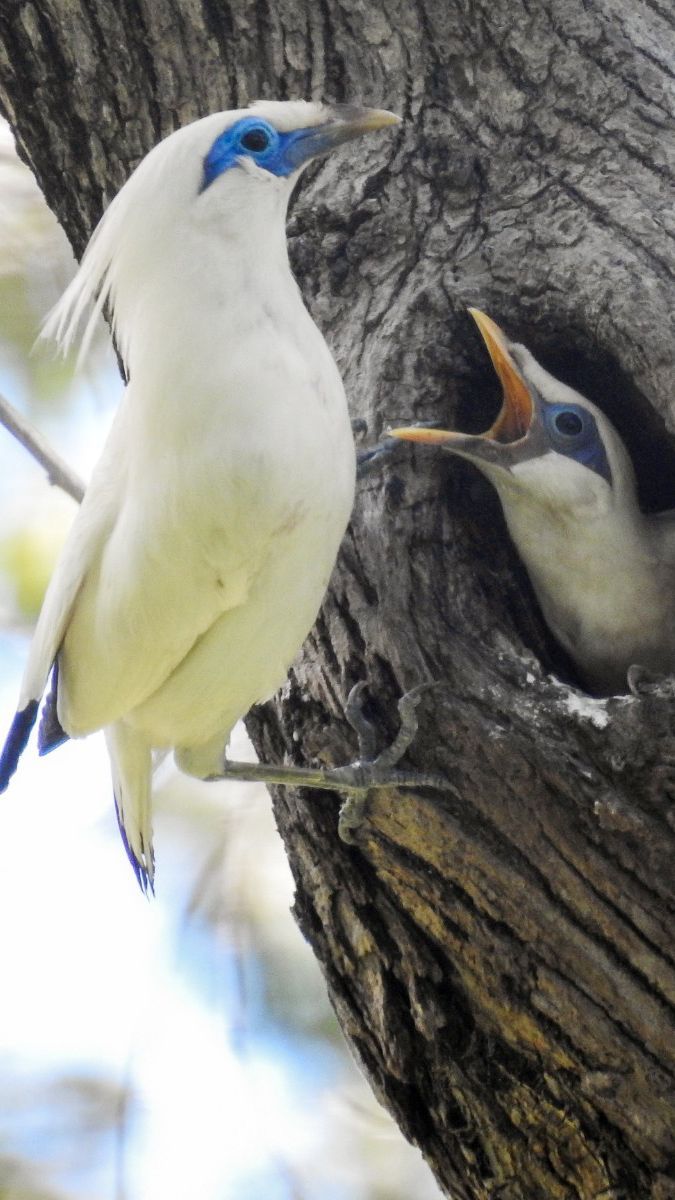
[[204, 544], [602, 570]]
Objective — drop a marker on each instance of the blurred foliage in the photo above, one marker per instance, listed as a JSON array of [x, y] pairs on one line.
[[41, 1120], [35, 264], [29, 555], [18, 1181]]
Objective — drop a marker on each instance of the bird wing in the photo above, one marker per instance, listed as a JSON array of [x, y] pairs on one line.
[[151, 562], [178, 555], [89, 529], [135, 619]]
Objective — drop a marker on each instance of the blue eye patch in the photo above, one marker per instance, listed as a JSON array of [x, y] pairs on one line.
[[572, 430], [279, 153]]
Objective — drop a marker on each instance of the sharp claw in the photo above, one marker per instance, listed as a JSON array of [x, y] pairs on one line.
[[351, 817], [370, 456], [365, 731], [359, 778], [363, 728]]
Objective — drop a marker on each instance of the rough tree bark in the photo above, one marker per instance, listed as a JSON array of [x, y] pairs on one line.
[[499, 955]]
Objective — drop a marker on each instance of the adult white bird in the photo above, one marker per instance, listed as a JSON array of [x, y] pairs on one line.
[[203, 547], [603, 571]]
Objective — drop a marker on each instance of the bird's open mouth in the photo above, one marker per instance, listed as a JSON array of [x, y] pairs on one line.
[[517, 412], [515, 415]]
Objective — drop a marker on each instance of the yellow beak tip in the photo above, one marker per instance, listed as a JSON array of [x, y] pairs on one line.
[[414, 433], [378, 118], [492, 334], [387, 117]]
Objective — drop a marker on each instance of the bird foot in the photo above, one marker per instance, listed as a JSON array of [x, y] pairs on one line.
[[371, 771], [370, 457], [357, 779], [367, 457]]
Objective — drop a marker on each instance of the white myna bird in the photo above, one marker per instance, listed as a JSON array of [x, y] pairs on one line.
[[201, 553]]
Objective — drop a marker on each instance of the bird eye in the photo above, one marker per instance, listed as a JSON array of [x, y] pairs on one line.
[[568, 423], [256, 140], [573, 431]]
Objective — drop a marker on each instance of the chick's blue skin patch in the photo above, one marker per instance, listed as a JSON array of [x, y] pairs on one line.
[[573, 431]]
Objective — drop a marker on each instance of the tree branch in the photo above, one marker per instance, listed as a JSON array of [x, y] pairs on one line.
[[58, 471]]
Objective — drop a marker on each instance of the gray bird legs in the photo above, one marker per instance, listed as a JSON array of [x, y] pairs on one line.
[[369, 772]]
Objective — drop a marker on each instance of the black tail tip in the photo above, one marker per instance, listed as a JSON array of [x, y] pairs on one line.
[[17, 740], [50, 731], [144, 867]]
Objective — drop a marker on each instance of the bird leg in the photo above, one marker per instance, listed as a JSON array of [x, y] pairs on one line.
[[357, 779]]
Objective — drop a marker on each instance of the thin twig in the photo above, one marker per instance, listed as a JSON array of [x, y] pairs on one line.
[[58, 471]]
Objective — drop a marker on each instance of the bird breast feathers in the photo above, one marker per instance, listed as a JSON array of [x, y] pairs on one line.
[[158, 582], [182, 544]]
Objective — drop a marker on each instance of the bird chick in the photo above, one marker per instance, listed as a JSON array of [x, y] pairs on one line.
[[203, 547], [603, 571]]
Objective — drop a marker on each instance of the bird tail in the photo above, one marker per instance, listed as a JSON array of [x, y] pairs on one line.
[[131, 762], [50, 732], [16, 741]]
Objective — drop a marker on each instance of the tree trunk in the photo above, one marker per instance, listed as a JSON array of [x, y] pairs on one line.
[[499, 954]]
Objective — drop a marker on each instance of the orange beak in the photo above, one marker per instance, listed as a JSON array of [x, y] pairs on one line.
[[515, 416]]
